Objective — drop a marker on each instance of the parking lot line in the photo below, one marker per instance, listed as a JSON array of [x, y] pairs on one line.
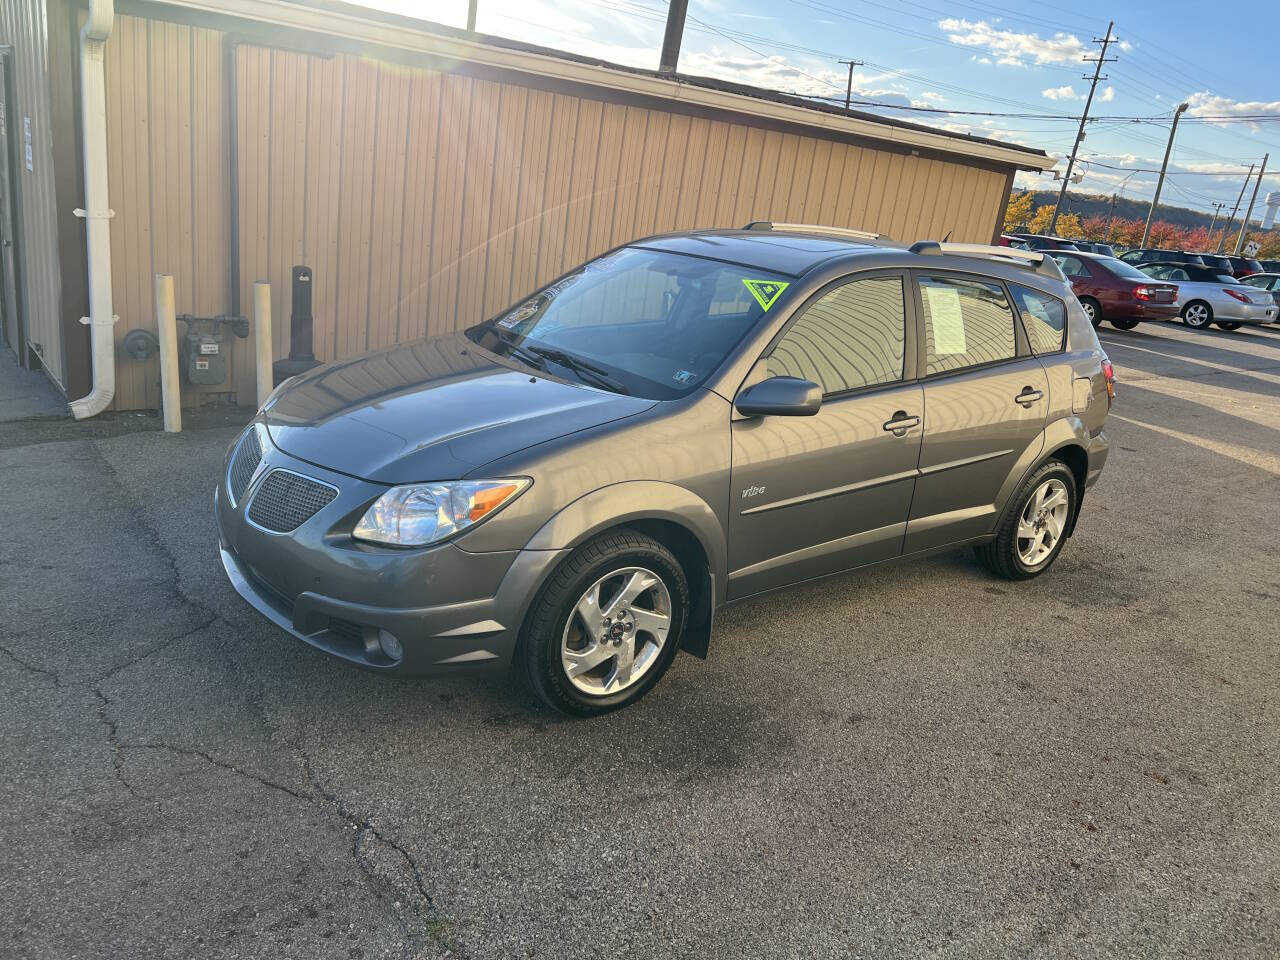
[[1263, 461], [1258, 372]]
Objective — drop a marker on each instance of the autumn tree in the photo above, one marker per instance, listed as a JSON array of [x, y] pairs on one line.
[[1018, 212], [1068, 223]]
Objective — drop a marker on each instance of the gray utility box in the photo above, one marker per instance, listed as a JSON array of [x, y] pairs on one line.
[[203, 359]]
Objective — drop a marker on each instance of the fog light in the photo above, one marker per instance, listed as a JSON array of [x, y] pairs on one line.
[[390, 645]]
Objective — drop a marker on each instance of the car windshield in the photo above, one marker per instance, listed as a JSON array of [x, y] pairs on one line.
[[1122, 269], [646, 322]]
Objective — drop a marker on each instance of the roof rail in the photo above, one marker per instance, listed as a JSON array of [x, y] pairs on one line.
[[818, 228], [1035, 259]]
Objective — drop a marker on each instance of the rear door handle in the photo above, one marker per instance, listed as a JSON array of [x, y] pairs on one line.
[[1028, 396], [901, 423]]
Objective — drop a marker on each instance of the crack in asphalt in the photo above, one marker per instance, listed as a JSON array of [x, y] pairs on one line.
[[323, 798], [31, 667]]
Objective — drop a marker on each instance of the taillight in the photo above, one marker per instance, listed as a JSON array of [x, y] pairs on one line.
[[1109, 372], [1140, 293], [1236, 295]]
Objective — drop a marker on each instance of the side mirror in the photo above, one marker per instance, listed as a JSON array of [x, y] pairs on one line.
[[780, 397]]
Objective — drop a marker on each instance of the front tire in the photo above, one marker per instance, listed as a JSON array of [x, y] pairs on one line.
[[1232, 325], [1033, 532], [1093, 310], [1197, 315], [606, 626], [1124, 323]]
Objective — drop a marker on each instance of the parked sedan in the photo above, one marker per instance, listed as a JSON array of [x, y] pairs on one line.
[[1110, 289], [1266, 281], [1270, 266], [1142, 255], [1208, 296]]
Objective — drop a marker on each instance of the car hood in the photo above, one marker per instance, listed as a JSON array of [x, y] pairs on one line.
[[431, 410]]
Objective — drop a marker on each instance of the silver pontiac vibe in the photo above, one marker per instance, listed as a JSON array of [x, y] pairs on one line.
[[574, 486]]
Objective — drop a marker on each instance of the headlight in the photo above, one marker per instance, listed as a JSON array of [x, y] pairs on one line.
[[271, 397], [422, 513]]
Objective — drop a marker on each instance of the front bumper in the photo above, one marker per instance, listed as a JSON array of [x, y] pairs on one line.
[[449, 610]]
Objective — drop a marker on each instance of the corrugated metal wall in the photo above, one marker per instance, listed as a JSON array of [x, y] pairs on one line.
[[426, 201], [23, 24], [168, 180]]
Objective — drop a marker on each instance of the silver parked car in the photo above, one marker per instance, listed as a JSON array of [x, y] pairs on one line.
[[576, 485], [1266, 281], [1207, 295]]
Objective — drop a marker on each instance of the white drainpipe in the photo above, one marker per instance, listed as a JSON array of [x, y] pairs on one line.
[[93, 106]]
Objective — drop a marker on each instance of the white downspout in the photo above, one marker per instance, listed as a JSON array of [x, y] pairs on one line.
[[93, 108]]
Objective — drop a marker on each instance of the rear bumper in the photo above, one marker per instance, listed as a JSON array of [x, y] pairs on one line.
[[1099, 448], [1137, 310], [1245, 313]]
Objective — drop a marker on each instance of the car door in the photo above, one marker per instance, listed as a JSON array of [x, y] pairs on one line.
[[1077, 273], [985, 401], [814, 495]]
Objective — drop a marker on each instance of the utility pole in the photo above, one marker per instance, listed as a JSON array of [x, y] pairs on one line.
[[1232, 219], [1100, 59], [1111, 215], [471, 15], [1155, 201], [1217, 209], [848, 91], [1252, 200], [676, 11]]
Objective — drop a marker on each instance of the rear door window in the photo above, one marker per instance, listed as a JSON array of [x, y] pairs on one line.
[[1072, 266], [968, 323], [852, 337], [1044, 318]]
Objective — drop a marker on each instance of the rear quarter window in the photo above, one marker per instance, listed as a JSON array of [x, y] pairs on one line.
[[1044, 318]]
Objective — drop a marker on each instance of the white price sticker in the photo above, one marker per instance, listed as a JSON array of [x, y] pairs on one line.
[[946, 319]]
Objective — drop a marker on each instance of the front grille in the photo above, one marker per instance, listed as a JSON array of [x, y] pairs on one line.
[[243, 463], [285, 500]]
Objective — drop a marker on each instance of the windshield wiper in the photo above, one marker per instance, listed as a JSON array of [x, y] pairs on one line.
[[517, 349], [583, 368]]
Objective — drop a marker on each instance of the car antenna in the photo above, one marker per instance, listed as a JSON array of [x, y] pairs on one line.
[[948, 236]]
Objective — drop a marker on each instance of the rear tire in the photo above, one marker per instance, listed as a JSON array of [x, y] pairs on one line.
[[1022, 547], [1197, 315], [1124, 323], [616, 665], [1224, 325], [1093, 310]]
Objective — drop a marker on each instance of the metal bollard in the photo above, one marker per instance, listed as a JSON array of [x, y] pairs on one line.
[[167, 333], [262, 339]]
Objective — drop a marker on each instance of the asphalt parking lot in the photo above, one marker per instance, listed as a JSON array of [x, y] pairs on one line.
[[914, 761]]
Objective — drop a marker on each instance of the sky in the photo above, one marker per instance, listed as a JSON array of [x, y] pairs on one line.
[[1003, 57]]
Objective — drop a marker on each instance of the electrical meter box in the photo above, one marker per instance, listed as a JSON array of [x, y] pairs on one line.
[[203, 360]]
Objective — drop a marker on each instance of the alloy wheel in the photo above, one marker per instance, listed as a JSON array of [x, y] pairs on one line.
[[616, 631], [1043, 520], [1196, 315]]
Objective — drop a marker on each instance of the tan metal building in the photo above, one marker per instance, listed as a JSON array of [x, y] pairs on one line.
[[428, 176]]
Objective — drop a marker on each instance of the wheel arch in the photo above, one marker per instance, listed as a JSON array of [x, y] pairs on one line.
[[674, 516]]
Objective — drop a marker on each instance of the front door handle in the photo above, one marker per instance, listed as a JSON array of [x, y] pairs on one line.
[[901, 423], [1028, 396]]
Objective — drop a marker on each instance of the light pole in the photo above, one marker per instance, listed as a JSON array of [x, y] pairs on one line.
[[1155, 201], [1244, 226]]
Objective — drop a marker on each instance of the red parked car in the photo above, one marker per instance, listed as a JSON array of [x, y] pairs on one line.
[[1110, 289], [1244, 266]]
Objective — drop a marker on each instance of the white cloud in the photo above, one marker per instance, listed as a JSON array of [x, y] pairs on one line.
[[1011, 47], [1067, 92], [1203, 103], [1107, 95], [933, 96]]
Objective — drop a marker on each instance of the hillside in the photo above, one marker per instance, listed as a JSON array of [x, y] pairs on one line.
[[1085, 205]]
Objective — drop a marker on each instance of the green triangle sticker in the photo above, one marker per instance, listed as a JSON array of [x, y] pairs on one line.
[[766, 292]]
